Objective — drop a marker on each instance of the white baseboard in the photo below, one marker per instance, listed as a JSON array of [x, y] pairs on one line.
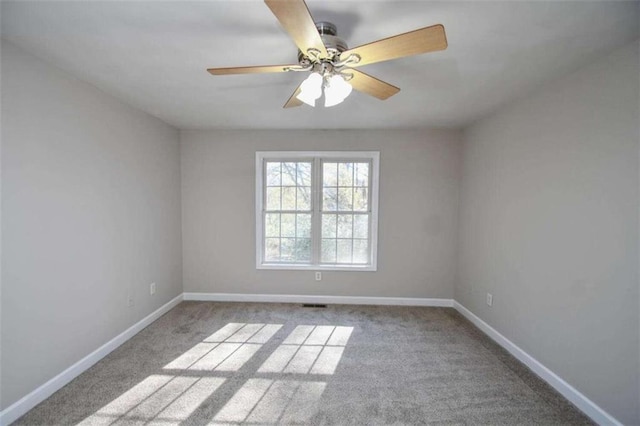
[[26, 403], [334, 300], [587, 406]]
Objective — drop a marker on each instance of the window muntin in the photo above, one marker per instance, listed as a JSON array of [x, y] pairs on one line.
[[316, 210]]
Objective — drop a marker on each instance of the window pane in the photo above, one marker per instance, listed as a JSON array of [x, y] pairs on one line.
[[272, 249], [344, 251], [329, 226], [329, 199], [329, 174], [272, 225], [360, 251], [345, 174], [273, 174], [303, 250], [361, 226], [345, 226], [304, 198], [362, 174], [360, 199], [289, 174], [345, 202], [288, 198], [287, 249], [303, 228], [303, 176], [328, 251], [288, 225], [273, 198]]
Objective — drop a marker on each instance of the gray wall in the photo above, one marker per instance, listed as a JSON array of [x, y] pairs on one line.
[[91, 214], [549, 226], [417, 224]]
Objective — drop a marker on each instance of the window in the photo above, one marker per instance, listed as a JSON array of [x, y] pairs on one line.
[[317, 210]]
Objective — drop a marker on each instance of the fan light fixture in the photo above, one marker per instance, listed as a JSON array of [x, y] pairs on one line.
[[335, 88]]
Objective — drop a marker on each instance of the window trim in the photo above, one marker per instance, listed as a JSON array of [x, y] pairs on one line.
[[372, 156]]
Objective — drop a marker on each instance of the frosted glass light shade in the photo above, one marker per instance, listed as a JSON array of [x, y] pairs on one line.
[[311, 89], [336, 90]]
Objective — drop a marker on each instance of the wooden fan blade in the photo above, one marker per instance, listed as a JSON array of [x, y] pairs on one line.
[[295, 18], [429, 39], [250, 70], [293, 101], [371, 85]]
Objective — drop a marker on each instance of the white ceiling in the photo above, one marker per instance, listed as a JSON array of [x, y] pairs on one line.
[[154, 54]]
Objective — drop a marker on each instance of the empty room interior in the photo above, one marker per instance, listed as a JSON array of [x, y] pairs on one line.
[[320, 212]]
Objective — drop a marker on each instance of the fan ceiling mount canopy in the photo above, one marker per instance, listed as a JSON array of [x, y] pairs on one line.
[[329, 60]]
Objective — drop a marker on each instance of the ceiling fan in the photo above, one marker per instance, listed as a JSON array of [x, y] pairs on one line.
[[329, 60]]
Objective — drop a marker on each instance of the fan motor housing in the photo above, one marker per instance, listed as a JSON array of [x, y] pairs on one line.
[[334, 44]]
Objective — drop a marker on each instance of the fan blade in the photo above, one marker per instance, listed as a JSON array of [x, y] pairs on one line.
[[295, 18], [251, 70], [429, 39], [293, 101], [371, 85]]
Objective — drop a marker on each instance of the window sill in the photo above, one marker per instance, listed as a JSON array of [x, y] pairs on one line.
[[293, 267]]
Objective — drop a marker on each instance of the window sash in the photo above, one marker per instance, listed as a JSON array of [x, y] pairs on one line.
[[352, 239]]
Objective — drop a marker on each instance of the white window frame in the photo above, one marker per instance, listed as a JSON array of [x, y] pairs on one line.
[[317, 157]]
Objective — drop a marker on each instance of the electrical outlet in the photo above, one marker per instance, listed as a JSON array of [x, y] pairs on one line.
[[489, 299], [318, 276], [152, 289]]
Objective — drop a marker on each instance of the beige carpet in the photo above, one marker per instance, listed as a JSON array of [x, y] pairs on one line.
[[260, 364]]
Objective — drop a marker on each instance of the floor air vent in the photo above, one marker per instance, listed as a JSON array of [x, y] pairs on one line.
[[313, 305]]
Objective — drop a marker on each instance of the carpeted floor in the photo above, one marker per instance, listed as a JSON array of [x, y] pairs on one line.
[[249, 363]]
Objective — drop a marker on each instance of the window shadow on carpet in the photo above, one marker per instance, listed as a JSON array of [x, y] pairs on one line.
[[285, 387]]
